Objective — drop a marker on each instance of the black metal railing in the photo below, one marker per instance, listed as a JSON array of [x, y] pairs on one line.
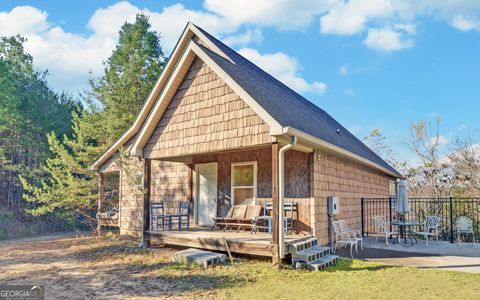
[[448, 209]]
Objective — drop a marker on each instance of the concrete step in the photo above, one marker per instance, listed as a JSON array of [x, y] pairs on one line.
[[325, 250], [310, 254], [200, 257], [319, 264], [302, 245], [324, 262]]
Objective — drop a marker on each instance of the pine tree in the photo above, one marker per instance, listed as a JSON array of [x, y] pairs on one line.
[[29, 109], [130, 74], [70, 189]]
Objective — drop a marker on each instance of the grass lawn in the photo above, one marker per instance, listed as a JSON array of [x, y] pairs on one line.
[[117, 267], [254, 279]]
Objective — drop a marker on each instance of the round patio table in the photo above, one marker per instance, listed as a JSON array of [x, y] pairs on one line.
[[407, 229]]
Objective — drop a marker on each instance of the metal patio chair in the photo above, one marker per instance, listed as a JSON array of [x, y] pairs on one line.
[[381, 227], [465, 226], [342, 238], [354, 233], [430, 228]]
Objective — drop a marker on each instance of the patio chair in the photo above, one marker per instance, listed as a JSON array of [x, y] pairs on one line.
[[183, 215], [382, 228], [290, 209], [251, 215], [465, 226], [430, 228], [158, 216], [235, 213], [218, 221], [343, 239], [238, 213], [354, 233]]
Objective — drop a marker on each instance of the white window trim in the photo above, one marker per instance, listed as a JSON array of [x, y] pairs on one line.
[[254, 163]]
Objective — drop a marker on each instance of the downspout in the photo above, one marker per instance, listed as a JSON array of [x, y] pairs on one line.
[[281, 194]]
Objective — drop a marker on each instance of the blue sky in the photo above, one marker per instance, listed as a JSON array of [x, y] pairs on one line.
[[369, 63]]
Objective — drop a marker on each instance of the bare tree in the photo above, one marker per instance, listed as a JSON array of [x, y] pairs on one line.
[[434, 176], [377, 142], [465, 160]]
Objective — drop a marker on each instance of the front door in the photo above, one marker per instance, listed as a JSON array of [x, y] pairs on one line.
[[206, 193]]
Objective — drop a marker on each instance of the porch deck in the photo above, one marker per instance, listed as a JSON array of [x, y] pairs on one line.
[[259, 243]]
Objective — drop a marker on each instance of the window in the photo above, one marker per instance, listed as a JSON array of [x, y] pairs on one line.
[[244, 183], [392, 187]]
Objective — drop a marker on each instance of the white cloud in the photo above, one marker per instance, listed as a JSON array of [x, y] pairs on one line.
[[349, 92], [281, 14], [22, 19], [343, 70], [440, 140], [250, 36], [285, 68], [388, 25], [348, 18], [410, 29], [464, 23], [70, 57], [387, 40]]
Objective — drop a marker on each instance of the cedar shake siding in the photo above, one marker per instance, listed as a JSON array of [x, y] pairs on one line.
[[332, 175], [171, 183], [131, 198], [205, 115], [297, 179]]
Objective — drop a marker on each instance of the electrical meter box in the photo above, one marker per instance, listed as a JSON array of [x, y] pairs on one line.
[[333, 205]]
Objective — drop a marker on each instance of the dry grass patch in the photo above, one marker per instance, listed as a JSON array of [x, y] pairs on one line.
[[116, 267]]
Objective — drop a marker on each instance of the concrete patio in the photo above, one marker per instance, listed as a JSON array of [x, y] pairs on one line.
[[443, 248], [443, 256]]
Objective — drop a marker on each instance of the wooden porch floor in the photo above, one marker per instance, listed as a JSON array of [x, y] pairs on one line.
[[243, 242]]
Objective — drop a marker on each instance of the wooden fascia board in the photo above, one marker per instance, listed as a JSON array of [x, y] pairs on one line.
[[171, 64]]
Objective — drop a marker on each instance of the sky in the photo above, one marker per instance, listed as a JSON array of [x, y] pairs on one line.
[[369, 63]]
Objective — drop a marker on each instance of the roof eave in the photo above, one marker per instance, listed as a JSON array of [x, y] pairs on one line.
[[323, 144], [187, 33]]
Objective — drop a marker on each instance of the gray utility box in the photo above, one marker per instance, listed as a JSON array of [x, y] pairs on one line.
[[333, 205]]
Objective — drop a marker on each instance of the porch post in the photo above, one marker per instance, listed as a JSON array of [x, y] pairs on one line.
[[147, 175], [275, 194], [101, 197]]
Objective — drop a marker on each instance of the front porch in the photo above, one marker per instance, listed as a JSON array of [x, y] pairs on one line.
[[244, 242], [211, 184]]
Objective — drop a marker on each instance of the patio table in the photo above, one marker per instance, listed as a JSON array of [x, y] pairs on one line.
[[406, 228]]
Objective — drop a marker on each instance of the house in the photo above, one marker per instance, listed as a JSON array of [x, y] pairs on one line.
[[217, 130]]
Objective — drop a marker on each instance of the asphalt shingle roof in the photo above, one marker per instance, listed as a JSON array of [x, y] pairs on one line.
[[286, 106]]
